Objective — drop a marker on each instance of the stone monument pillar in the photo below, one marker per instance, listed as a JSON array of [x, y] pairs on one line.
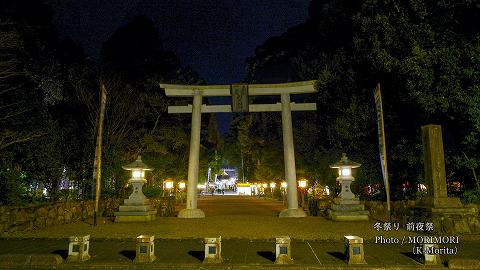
[[446, 213], [434, 168]]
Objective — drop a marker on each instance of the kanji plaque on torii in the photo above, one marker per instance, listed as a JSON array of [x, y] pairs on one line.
[[240, 94]]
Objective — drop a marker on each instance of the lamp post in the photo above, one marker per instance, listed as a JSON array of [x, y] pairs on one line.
[[181, 187], [272, 186], [168, 186], [302, 184], [345, 177], [283, 186]]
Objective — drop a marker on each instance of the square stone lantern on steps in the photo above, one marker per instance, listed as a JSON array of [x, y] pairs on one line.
[[136, 207], [346, 207]]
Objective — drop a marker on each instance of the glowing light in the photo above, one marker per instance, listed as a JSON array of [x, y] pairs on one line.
[[272, 185], [265, 185], [284, 184], [302, 183], [345, 171], [326, 190], [181, 185], [201, 186], [422, 187], [138, 174], [168, 184]]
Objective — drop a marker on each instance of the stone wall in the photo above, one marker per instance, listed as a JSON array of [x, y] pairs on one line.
[[319, 207], [25, 218], [464, 220], [399, 209]]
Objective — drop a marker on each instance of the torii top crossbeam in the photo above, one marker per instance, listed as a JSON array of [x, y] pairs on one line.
[[239, 94], [179, 90]]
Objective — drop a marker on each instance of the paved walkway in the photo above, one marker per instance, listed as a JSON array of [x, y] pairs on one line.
[[227, 216], [227, 205], [248, 226]]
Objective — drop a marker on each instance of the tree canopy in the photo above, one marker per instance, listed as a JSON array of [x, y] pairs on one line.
[[425, 55], [49, 108]]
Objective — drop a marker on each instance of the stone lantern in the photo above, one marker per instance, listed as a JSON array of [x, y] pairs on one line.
[[345, 177], [137, 207], [138, 169], [346, 206]]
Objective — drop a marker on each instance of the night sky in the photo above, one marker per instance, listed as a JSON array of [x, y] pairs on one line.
[[213, 37]]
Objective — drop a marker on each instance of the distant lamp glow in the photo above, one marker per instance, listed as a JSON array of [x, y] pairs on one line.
[[201, 186], [168, 184], [273, 185], [265, 185], [302, 183], [181, 185], [284, 184], [422, 187]]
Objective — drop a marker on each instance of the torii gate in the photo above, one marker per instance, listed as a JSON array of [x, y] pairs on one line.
[[239, 94]]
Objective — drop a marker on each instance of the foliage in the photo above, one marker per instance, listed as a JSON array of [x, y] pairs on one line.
[[424, 54], [152, 191], [13, 191], [255, 139], [49, 101], [471, 196]]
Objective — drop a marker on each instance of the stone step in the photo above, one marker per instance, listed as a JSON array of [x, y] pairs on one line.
[[348, 207], [348, 215], [136, 213], [136, 202], [346, 201], [135, 208]]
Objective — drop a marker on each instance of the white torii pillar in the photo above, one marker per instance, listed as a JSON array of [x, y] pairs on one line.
[[289, 159], [196, 109], [193, 161], [286, 107]]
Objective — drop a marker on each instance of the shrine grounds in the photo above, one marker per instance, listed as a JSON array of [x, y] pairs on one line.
[[248, 227]]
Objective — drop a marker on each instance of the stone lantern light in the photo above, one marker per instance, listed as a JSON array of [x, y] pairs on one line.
[[345, 177], [346, 207], [138, 169], [136, 207]]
